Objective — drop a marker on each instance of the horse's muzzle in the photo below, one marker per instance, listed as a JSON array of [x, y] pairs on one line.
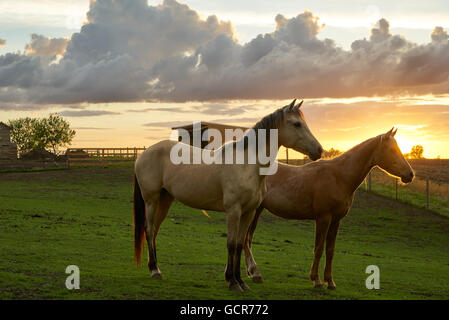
[[317, 155], [408, 178]]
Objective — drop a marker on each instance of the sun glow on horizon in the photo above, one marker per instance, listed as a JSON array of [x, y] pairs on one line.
[[405, 144]]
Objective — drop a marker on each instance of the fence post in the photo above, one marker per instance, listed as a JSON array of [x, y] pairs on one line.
[[286, 154], [68, 157], [427, 193], [396, 187], [369, 181]]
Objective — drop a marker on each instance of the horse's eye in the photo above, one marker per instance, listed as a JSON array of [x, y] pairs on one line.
[[297, 124]]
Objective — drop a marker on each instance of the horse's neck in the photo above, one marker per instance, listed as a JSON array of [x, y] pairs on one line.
[[268, 144], [358, 162]]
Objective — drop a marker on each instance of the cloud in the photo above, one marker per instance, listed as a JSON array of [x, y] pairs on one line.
[[170, 109], [439, 35], [224, 109], [19, 107], [170, 124], [293, 62], [86, 113], [166, 124], [129, 51], [241, 120], [110, 59], [2, 42], [46, 47], [208, 109], [92, 128]]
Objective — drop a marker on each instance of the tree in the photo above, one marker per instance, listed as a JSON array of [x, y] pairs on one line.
[[331, 153], [54, 132], [23, 133], [416, 152], [45, 133]]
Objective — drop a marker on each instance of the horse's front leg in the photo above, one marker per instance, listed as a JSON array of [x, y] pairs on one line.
[[245, 221], [233, 215], [330, 246], [251, 266], [238, 224], [321, 228]]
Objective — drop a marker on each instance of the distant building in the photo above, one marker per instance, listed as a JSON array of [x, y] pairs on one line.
[[8, 149], [207, 125]]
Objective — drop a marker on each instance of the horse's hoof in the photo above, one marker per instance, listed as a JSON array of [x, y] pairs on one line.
[[235, 287], [257, 279], [156, 275], [331, 287], [244, 286], [319, 286]]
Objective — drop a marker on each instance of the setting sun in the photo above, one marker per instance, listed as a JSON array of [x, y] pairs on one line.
[[404, 144]]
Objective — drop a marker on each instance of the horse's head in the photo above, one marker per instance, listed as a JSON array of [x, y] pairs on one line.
[[390, 158], [294, 132]]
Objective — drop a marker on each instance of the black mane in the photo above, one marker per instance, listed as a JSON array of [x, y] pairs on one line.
[[271, 121]]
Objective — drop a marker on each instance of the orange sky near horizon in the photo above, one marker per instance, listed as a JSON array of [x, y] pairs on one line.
[[336, 123]]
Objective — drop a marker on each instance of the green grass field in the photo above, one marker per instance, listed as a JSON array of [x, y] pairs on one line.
[[52, 219]]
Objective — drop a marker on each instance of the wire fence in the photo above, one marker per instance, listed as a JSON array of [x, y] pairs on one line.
[[423, 192], [429, 189]]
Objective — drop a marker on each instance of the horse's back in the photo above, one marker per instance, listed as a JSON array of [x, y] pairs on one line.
[[294, 191]]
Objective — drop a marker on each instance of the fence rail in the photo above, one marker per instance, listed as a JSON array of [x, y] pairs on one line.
[[102, 156]]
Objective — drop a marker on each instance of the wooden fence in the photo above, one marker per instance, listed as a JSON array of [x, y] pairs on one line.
[[82, 157]]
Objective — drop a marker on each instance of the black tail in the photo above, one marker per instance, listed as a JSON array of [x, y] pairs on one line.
[[139, 222]]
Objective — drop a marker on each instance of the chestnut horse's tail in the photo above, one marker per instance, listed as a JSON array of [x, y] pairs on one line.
[[139, 223]]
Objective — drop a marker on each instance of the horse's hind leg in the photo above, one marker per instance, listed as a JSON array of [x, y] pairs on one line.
[[251, 266], [157, 211], [321, 229], [330, 246], [165, 201]]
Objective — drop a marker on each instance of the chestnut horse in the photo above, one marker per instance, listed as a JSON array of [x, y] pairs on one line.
[[323, 191], [237, 189]]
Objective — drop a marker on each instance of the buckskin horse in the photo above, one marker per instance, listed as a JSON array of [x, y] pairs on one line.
[[324, 191], [237, 189]]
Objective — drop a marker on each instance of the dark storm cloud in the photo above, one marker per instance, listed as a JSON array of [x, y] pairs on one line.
[[129, 51]]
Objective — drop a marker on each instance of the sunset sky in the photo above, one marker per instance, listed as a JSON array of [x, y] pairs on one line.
[[123, 72]]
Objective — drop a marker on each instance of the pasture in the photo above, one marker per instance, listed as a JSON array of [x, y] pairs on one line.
[[52, 219]]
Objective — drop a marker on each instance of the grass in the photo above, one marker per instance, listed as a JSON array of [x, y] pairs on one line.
[[52, 219], [413, 193]]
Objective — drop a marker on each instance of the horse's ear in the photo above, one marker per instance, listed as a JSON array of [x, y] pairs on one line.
[[390, 133], [299, 104], [290, 107], [394, 132]]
